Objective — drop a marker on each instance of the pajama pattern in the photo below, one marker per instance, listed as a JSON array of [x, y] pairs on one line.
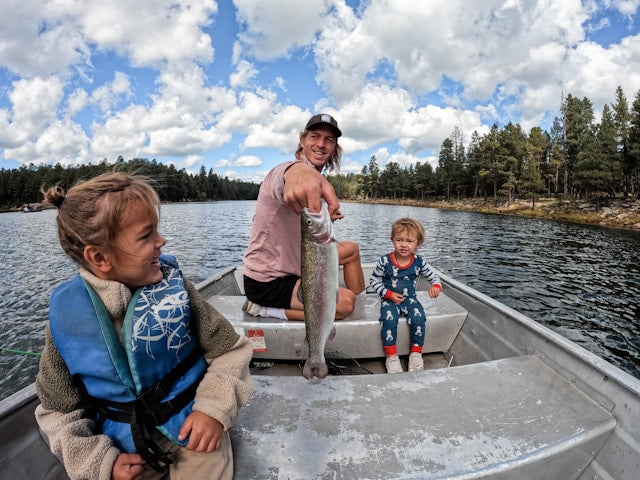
[[388, 277]]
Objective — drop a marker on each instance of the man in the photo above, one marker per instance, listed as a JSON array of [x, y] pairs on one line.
[[272, 261]]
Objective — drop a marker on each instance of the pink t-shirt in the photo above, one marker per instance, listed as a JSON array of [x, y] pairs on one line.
[[274, 245]]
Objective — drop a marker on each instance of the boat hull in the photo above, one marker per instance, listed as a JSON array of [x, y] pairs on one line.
[[512, 399]]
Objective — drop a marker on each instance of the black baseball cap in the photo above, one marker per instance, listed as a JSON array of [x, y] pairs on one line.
[[323, 118]]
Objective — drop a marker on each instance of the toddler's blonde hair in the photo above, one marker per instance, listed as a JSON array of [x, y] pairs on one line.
[[410, 226]]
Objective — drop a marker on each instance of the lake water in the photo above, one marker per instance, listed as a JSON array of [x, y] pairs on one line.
[[581, 281]]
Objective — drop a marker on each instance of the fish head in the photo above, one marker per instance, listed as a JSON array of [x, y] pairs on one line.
[[318, 225]]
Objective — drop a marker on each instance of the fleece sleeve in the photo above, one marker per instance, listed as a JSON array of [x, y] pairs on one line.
[[71, 439], [62, 421]]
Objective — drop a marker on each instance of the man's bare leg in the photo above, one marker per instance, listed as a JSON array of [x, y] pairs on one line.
[[344, 307], [349, 258]]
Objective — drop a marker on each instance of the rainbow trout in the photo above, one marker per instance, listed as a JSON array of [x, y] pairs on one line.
[[319, 287]]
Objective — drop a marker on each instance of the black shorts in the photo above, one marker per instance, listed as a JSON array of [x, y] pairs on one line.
[[276, 293]]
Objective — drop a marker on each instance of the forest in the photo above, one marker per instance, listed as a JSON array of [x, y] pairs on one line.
[[22, 186], [578, 158]]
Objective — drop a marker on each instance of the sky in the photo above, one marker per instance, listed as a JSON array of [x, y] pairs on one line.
[[229, 85]]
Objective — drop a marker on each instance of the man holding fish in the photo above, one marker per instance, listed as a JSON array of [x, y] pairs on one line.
[[272, 263]]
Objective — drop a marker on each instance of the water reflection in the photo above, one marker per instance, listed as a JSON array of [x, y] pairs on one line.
[[582, 281]]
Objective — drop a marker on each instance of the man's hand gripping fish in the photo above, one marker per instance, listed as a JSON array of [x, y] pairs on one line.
[[319, 287]]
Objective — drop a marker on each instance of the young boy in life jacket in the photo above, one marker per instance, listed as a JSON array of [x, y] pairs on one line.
[[139, 376]]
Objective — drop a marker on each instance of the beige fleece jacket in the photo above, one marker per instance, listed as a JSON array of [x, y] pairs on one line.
[[224, 389]]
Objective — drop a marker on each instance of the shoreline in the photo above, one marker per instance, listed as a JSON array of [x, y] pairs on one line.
[[616, 213]]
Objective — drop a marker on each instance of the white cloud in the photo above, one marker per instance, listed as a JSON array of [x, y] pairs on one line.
[[62, 142], [404, 160], [43, 38], [373, 116], [345, 52], [120, 135], [625, 7], [476, 47], [37, 40], [192, 160], [281, 83], [595, 72], [34, 106], [396, 73], [77, 101], [108, 94], [248, 161], [223, 163], [244, 73], [278, 128], [146, 32], [272, 29], [426, 127], [382, 114], [349, 166]]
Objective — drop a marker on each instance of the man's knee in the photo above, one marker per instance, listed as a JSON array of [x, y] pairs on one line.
[[349, 252], [346, 304]]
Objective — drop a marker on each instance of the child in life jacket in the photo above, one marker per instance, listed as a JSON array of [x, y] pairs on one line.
[[394, 278], [139, 376]]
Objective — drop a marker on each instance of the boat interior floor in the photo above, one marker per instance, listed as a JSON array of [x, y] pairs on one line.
[[512, 418]]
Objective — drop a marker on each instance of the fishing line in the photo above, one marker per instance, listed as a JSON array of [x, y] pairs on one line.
[[20, 352], [334, 357]]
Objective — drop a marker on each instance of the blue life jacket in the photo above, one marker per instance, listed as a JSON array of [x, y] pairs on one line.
[[126, 380]]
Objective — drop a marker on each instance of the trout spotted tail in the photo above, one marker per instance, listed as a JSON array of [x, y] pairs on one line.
[[319, 286]]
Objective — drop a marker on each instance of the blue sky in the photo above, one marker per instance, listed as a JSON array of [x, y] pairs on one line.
[[228, 85]]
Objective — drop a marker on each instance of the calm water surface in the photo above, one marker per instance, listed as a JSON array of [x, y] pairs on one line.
[[581, 281]]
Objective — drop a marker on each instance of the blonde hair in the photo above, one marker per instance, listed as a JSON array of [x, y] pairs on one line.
[[92, 211], [333, 163], [410, 226]]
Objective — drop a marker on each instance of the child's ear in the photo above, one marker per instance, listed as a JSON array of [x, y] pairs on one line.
[[96, 259]]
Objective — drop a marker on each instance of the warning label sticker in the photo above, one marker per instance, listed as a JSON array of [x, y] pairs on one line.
[[257, 340]]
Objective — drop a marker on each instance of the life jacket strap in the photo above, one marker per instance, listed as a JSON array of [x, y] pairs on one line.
[[148, 411]]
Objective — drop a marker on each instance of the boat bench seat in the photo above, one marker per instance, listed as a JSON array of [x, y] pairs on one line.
[[358, 335], [509, 418]]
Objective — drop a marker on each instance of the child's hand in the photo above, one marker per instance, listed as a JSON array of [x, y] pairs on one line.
[[434, 291], [396, 298], [128, 466], [203, 431]]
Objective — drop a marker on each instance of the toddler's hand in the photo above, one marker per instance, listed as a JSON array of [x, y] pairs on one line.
[[434, 292], [128, 466], [203, 431], [396, 298]]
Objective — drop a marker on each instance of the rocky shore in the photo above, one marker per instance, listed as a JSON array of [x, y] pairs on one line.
[[618, 213]]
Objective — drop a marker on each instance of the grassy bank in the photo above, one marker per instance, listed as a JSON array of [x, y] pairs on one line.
[[618, 213]]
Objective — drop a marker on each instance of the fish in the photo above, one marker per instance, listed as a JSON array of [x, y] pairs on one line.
[[318, 287]]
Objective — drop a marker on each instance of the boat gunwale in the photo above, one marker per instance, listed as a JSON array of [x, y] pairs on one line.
[[604, 367], [17, 400]]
